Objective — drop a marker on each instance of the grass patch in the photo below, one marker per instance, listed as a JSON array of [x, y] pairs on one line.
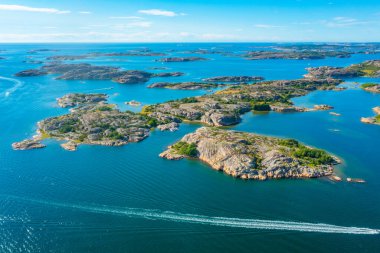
[[187, 149]]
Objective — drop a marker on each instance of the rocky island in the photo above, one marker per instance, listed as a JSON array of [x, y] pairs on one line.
[[224, 107], [234, 79], [371, 87], [92, 121], [84, 71], [28, 144], [182, 59], [185, 85], [249, 156], [294, 55], [368, 69], [373, 120], [76, 99]]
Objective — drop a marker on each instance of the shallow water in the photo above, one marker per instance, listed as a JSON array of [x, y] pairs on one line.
[[52, 200]]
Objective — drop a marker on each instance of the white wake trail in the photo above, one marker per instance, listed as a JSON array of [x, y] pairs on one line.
[[17, 84], [209, 220]]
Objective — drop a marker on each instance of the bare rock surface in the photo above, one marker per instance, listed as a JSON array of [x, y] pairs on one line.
[[249, 156]]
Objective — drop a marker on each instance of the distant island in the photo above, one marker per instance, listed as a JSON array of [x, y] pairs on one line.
[[85, 71]]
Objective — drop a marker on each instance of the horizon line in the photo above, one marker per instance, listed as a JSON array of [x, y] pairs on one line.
[[172, 42]]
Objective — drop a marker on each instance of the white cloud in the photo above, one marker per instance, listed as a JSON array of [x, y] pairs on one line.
[[216, 36], [184, 34], [266, 26], [126, 17], [158, 12], [343, 22], [142, 24], [85, 12], [11, 7]]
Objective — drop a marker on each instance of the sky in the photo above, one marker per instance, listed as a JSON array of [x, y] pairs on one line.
[[189, 21]]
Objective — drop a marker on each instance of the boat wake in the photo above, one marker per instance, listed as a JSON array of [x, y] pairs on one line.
[[207, 220], [17, 84]]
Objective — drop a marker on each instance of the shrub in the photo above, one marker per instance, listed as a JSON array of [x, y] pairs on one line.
[[189, 100], [368, 85], [313, 156], [104, 108], [115, 135], [152, 122], [289, 143], [187, 149], [66, 129], [264, 107]]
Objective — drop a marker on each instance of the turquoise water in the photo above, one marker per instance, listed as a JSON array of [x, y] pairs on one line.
[[127, 199]]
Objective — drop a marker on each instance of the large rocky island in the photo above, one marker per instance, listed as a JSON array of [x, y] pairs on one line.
[[91, 121], [182, 59], [294, 55], [224, 107], [249, 156], [85, 71], [368, 69]]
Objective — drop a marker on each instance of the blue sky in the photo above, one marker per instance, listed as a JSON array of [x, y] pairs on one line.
[[189, 20]]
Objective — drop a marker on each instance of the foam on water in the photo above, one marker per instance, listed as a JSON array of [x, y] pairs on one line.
[[207, 220], [17, 84]]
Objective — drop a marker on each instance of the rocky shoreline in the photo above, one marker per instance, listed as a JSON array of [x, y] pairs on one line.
[[371, 87], [372, 120], [249, 156]]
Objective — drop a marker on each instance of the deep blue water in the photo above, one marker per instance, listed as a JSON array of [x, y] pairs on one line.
[[52, 200]]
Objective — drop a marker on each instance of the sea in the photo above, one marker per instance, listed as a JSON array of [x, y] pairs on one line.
[[128, 199]]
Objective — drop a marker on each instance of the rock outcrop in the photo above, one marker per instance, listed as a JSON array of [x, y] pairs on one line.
[[249, 156], [182, 59], [27, 144], [173, 126], [237, 79], [76, 99], [31, 72], [371, 87], [373, 120]]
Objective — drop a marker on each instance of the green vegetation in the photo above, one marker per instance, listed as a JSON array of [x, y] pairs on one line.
[[146, 109], [368, 85], [82, 137], [104, 108], [310, 155], [263, 107], [313, 156], [189, 100], [152, 122], [187, 149], [291, 143], [367, 68], [66, 129], [377, 118], [114, 135]]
